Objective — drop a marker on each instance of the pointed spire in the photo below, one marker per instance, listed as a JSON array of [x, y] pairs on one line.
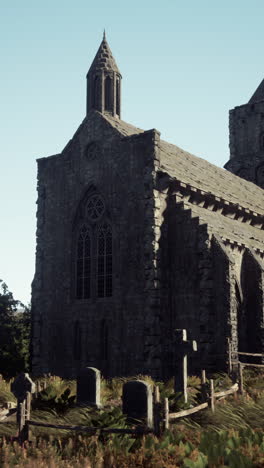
[[258, 94], [104, 82], [104, 59]]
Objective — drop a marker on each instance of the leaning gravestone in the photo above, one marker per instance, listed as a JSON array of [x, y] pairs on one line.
[[138, 401], [89, 387]]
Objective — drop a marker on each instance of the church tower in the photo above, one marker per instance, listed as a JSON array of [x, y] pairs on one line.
[[104, 82], [246, 139]]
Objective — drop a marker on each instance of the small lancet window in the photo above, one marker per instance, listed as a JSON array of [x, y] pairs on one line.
[[96, 92], [104, 261], [77, 346], [108, 93], [118, 96], [83, 264], [104, 340]]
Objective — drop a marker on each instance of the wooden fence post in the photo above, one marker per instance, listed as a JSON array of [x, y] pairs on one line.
[[212, 397], [166, 413], [229, 347], [240, 378], [157, 410], [203, 385], [22, 388]]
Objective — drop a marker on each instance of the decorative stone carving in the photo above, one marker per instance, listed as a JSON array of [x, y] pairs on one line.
[[95, 207]]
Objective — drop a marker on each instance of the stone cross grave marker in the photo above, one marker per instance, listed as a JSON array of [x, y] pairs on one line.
[[138, 401], [89, 387], [23, 387], [184, 349]]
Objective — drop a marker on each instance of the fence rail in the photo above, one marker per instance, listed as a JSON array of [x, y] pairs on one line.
[[208, 404], [92, 430]]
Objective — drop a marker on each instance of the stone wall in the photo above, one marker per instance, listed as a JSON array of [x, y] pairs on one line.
[[246, 142], [122, 171]]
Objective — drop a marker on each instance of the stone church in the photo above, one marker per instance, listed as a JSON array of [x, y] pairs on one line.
[[137, 237]]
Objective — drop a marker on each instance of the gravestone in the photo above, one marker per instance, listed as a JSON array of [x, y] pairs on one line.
[[89, 387], [184, 349], [138, 401]]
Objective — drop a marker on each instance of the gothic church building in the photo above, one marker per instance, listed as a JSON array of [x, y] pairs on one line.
[[137, 238]]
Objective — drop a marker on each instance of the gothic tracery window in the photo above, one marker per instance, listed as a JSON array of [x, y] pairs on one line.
[[93, 251], [83, 264], [104, 261]]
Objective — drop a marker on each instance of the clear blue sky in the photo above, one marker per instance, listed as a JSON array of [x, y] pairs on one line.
[[184, 65]]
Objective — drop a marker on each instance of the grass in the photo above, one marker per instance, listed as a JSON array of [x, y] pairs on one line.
[[232, 437]]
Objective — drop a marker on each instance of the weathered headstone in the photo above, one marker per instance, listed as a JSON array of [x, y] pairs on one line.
[[184, 349], [138, 401], [89, 387]]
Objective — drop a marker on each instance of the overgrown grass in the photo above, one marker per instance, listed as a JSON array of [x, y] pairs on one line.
[[5, 392], [232, 437]]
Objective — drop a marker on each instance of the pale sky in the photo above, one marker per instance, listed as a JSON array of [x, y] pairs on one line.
[[184, 65]]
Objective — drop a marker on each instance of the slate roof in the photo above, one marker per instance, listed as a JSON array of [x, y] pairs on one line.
[[205, 176], [124, 128], [201, 174], [231, 229], [104, 59]]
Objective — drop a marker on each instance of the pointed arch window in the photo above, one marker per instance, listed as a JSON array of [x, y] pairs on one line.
[[104, 261], [96, 92], [118, 96], [108, 93], [83, 264]]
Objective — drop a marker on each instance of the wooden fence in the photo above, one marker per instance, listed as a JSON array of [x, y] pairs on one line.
[[211, 398], [161, 414]]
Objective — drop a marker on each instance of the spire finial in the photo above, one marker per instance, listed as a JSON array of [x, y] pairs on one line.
[[104, 36]]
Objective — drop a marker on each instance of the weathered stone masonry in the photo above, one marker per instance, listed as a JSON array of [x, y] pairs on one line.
[[136, 238]]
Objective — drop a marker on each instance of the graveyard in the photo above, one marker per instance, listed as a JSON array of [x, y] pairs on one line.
[[211, 421]]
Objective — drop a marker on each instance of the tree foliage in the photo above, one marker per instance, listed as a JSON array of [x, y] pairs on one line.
[[14, 334]]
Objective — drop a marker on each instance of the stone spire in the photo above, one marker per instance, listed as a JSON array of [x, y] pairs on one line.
[[104, 82], [258, 94]]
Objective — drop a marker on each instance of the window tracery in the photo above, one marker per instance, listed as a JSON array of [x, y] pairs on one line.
[[104, 261], [95, 207], [93, 251], [83, 264]]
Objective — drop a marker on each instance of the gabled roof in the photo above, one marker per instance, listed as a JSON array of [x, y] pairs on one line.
[[124, 128], [199, 173], [258, 94], [209, 178], [104, 59]]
